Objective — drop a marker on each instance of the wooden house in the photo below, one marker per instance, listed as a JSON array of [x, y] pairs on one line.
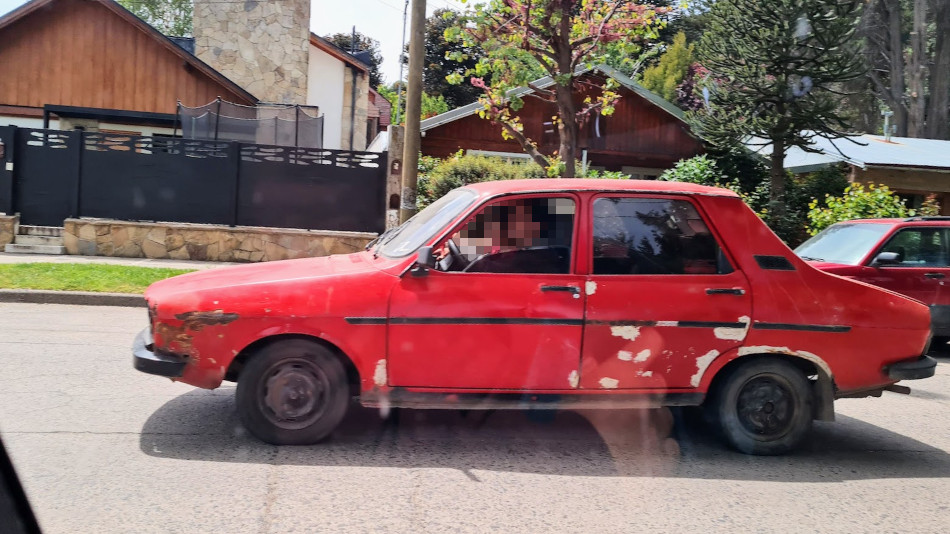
[[644, 136]]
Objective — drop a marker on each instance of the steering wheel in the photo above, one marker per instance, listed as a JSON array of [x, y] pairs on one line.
[[457, 257]]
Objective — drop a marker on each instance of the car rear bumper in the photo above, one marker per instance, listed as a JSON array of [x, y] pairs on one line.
[[148, 361], [923, 367]]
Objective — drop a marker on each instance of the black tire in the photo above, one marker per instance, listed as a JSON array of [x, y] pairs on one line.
[[293, 392], [764, 407]]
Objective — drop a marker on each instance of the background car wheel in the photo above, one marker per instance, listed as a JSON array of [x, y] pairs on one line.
[[764, 407], [293, 392]]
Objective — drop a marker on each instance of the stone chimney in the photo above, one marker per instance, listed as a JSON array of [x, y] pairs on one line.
[[263, 46]]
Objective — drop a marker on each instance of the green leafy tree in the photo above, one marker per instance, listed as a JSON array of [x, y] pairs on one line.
[[857, 202], [520, 39], [774, 67], [362, 43], [431, 105], [438, 65], [171, 17], [664, 77]]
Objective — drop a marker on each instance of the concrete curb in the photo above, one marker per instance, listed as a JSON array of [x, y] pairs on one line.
[[81, 298]]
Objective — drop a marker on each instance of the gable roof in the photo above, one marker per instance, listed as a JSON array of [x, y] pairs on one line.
[[864, 151], [338, 53], [548, 81], [35, 5]]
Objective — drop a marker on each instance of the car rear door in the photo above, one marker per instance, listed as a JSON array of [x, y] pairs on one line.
[[663, 300]]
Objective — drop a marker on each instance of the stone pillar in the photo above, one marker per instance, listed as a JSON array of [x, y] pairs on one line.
[[263, 46], [358, 123], [394, 177]]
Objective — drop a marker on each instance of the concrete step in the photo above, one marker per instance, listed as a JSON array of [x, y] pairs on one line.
[[54, 231], [38, 240], [14, 248]]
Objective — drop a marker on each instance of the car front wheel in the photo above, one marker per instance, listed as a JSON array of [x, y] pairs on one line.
[[293, 392], [764, 407]]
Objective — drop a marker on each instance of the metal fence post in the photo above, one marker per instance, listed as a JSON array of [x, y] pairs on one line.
[[75, 144], [234, 160], [8, 137]]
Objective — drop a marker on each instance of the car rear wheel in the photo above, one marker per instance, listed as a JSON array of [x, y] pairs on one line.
[[764, 407], [293, 392]]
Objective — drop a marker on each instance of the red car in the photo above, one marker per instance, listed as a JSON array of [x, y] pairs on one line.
[[910, 256], [540, 293]]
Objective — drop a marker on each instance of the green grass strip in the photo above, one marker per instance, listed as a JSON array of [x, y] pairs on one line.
[[82, 277]]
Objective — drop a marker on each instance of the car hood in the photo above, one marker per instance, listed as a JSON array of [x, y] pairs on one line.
[[261, 274]]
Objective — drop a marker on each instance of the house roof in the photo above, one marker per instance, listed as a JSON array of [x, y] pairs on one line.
[[548, 81], [338, 53], [173, 46], [864, 151]]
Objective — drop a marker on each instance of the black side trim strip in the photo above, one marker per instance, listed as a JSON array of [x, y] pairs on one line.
[[365, 320], [710, 324], [485, 320], [802, 327], [774, 263]]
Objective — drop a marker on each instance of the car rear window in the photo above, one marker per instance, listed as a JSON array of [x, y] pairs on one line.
[[846, 244]]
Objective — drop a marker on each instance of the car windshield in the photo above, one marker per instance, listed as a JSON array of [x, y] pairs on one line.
[[846, 244], [417, 230]]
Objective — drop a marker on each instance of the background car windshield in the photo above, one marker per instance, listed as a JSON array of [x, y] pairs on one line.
[[846, 244], [426, 223]]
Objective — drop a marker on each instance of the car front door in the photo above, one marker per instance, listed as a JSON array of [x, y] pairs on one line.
[[922, 272], [663, 300], [503, 310]]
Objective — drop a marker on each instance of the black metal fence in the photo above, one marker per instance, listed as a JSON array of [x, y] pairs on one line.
[[50, 175]]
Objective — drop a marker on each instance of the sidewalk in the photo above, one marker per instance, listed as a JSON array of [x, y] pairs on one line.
[[88, 298]]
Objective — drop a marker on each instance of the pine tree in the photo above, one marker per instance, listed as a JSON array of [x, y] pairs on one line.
[[668, 73], [773, 68]]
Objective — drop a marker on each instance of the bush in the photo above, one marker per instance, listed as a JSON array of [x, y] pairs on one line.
[[461, 170], [856, 203]]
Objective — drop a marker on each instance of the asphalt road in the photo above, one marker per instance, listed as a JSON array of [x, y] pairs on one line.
[[102, 448]]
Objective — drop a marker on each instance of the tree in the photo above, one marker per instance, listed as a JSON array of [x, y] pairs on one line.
[[431, 105], [521, 39], [774, 67], [171, 17], [664, 77], [363, 44], [438, 66], [911, 69]]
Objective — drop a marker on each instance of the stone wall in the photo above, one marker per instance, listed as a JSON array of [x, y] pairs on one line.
[[8, 224], [185, 241], [263, 46]]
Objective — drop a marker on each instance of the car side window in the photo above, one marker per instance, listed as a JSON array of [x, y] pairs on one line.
[[653, 236], [524, 235], [919, 247]]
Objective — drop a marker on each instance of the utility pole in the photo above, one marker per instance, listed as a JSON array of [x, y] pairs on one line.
[[402, 62], [410, 154]]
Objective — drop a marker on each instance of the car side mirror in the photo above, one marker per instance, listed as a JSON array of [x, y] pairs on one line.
[[886, 258], [424, 262]]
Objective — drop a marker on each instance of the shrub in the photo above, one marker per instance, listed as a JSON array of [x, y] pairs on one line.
[[856, 203], [461, 170]]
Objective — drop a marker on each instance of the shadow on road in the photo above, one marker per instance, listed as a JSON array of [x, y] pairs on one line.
[[203, 426]]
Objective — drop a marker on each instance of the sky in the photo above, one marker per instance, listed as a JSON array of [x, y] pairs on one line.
[[379, 19]]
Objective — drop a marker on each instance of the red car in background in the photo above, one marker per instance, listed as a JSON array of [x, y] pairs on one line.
[[540, 294], [909, 256]]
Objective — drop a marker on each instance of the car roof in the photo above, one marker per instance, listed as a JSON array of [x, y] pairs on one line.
[[908, 221], [546, 185]]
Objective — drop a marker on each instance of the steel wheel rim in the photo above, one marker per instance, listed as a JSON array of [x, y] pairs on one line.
[[293, 393], [765, 407]]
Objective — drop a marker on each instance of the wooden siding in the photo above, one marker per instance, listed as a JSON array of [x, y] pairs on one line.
[[638, 133], [80, 53]]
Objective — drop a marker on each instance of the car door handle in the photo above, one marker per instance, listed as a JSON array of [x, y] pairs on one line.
[[565, 289], [933, 275], [725, 291]]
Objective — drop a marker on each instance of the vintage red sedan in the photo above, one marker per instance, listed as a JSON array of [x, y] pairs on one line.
[[540, 293]]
